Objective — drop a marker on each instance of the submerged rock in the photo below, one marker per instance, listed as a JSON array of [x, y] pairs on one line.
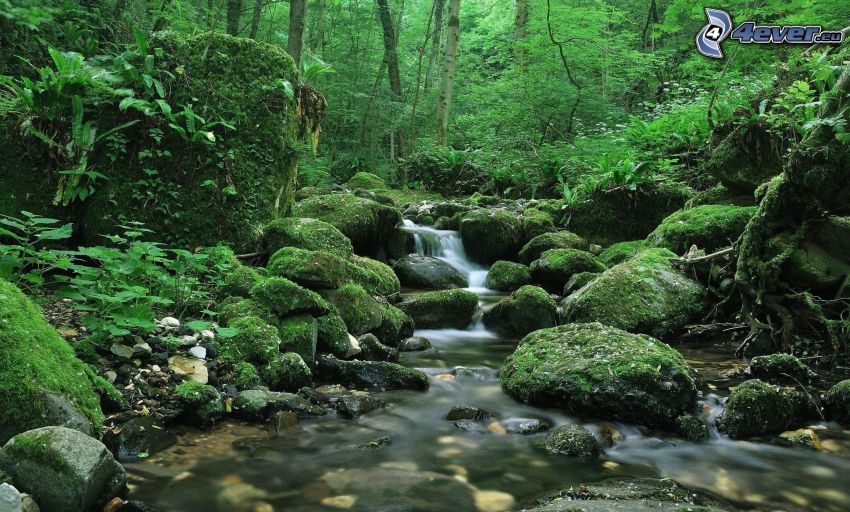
[[489, 236], [144, 435], [528, 309], [556, 266], [63, 469], [692, 429], [468, 412], [643, 295], [255, 404], [371, 374], [601, 371], [574, 440], [441, 309], [414, 344], [526, 426], [428, 273], [755, 408], [709, 227], [507, 276], [547, 241]]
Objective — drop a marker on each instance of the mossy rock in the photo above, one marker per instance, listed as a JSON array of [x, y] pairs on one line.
[[449, 223], [719, 194], [573, 440], [578, 281], [756, 408], [201, 403], [611, 216], [556, 266], [386, 283], [528, 309], [287, 372], [535, 222], [691, 428], [237, 307], [366, 181], [299, 334], [620, 252], [245, 376], [819, 269], [323, 270], [41, 380], [744, 158], [641, 295], [396, 325], [371, 374], [838, 402], [489, 236], [709, 227], [603, 372], [359, 310], [399, 244], [535, 247], [332, 336], [428, 273], [368, 224], [283, 297], [507, 276], [310, 234], [441, 309], [780, 367], [239, 281], [371, 349], [256, 342]]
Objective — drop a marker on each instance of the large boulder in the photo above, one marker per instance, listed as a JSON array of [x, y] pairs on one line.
[[428, 273], [756, 408], [255, 342], [643, 294], [439, 309], [63, 469], [310, 234], [281, 297], [709, 227], [368, 224], [396, 325], [299, 334], [359, 310], [838, 402], [556, 240], [603, 372], [41, 380], [620, 252], [491, 235], [387, 281], [366, 181], [321, 270], [527, 309], [371, 374], [507, 276], [556, 266], [743, 157], [535, 222]]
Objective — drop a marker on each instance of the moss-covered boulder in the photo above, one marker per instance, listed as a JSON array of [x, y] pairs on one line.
[[536, 222], [255, 342], [359, 310], [371, 374], [310, 234], [287, 372], [245, 376], [527, 309], [838, 402], [556, 266], [709, 227], [489, 235], [371, 349], [720, 194], [428, 273], [333, 336], [201, 403], [642, 295], [577, 281], [557, 240], [780, 367], [396, 325], [755, 408], [368, 224], [386, 281], [366, 181], [620, 252], [41, 380], [239, 281], [691, 428], [322, 270], [237, 307], [603, 372], [507, 276], [283, 298], [573, 440], [441, 309], [299, 334], [743, 157]]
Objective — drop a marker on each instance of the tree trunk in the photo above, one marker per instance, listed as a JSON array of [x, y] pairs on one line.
[[317, 41], [419, 58], [297, 17], [391, 57], [255, 19], [439, 7], [449, 67], [520, 33], [234, 12]]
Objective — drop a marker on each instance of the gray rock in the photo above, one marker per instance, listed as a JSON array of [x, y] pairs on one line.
[[371, 374], [414, 344], [142, 435], [371, 349], [526, 426], [468, 412], [191, 367], [169, 323], [122, 351], [198, 352], [428, 273], [63, 469], [356, 404], [257, 404], [142, 350], [573, 440]]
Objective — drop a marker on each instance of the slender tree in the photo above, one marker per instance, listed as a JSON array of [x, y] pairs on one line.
[[255, 19], [297, 17], [449, 68], [391, 58], [436, 42], [234, 12], [317, 38], [520, 33]]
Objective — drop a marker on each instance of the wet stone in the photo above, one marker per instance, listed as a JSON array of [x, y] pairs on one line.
[[468, 412], [526, 426], [414, 344], [356, 404]]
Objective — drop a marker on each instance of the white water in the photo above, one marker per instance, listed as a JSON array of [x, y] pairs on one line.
[[448, 246]]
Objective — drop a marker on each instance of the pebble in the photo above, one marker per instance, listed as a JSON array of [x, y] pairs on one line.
[[170, 322], [142, 349], [345, 501], [207, 334], [111, 376], [122, 351], [493, 501], [199, 352], [188, 340]]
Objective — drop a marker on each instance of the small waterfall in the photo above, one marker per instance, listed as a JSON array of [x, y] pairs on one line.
[[447, 246]]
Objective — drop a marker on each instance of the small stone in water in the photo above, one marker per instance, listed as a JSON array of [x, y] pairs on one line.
[[468, 412], [493, 501], [199, 352], [414, 344], [446, 377], [343, 502]]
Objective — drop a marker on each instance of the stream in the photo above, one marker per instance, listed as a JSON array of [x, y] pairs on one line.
[[408, 457]]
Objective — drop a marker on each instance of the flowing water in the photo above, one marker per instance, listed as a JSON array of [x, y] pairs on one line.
[[409, 458]]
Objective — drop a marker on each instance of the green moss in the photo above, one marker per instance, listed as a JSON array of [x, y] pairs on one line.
[[395, 325], [557, 240], [110, 398], [573, 440], [36, 447], [489, 236], [323, 270], [426, 220], [200, 402], [239, 281], [535, 223], [620, 252], [643, 294], [507, 276], [35, 359], [442, 308], [366, 181], [237, 307], [556, 266], [756, 408], [577, 281], [708, 227], [283, 297], [368, 224], [692, 429], [310, 234], [333, 335], [745, 158], [527, 309], [838, 402], [775, 367], [601, 371], [288, 372], [359, 310], [449, 223], [256, 342], [387, 282], [299, 334], [245, 376], [721, 195]]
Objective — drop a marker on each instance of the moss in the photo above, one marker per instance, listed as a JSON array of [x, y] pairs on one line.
[[745, 158], [37, 447], [721, 195], [288, 372], [542, 243], [239, 281], [578, 281], [620, 252], [34, 359], [323, 270], [283, 297], [426, 220], [506, 276], [368, 224], [449, 223], [395, 326], [643, 295], [372, 374], [442, 308], [359, 310], [255, 342], [111, 399], [310, 234], [692, 429], [527, 309], [366, 181], [489, 236], [245, 376], [775, 367], [299, 334], [708, 227], [573, 440], [535, 223], [756, 408], [479, 199], [556, 266], [333, 335], [601, 371], [200, 402], [838, 402], [236, 307], [387, 282]]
